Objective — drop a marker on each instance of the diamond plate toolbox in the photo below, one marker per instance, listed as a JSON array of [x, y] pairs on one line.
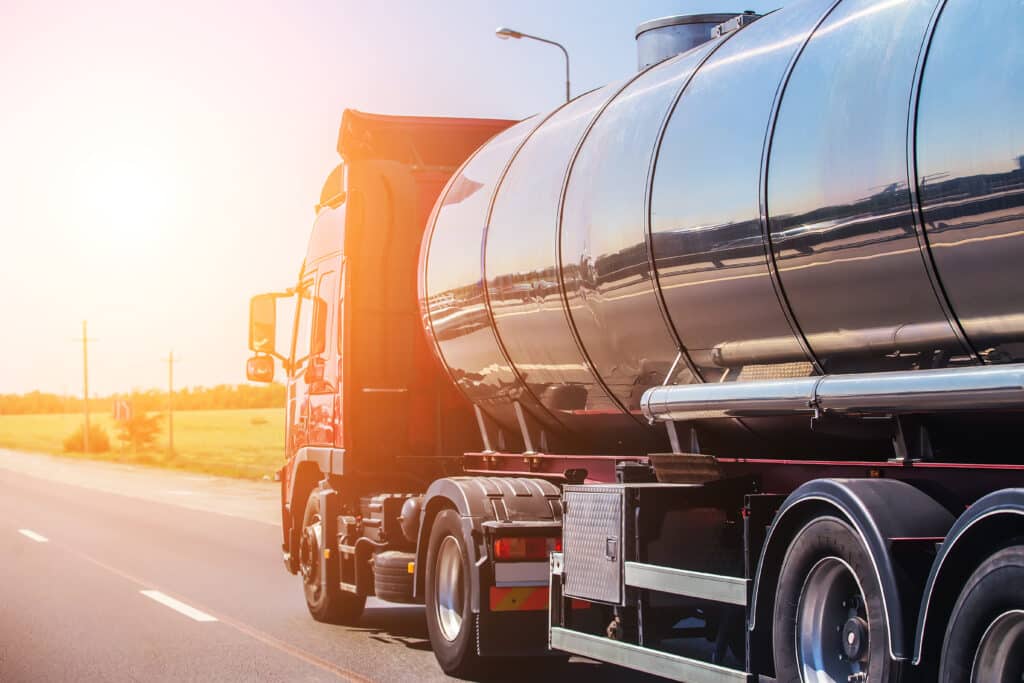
[[592, 540]]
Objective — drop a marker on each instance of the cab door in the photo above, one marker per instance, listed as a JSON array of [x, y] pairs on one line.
[[322, 370], [298, 389]]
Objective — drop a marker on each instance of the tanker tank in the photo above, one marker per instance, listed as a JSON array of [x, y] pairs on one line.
[[835, 188]]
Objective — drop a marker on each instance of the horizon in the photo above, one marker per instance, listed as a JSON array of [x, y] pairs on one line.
[[163, 162]]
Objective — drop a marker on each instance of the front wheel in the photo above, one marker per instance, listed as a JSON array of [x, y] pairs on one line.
[[829, 623], [985, 637], [448, 586], [329, 603]]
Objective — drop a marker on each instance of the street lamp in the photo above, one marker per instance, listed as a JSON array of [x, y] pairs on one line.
[[506, 33]]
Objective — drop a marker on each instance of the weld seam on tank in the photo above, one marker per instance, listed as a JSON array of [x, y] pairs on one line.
[[560, 269], [766, 233], [483, 269], [648, 201], [924, 245], [424, 283]]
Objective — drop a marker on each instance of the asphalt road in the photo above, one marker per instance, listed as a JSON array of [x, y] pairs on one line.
[[101, 586]]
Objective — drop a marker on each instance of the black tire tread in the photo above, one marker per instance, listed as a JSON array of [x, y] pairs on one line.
[[993, 588], [335, 606]]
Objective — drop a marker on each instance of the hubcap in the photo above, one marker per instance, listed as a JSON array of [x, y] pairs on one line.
[[448, 588], [1000, 654], [832, 634]]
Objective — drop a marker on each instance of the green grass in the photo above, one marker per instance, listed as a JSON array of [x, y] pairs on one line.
[[247, 444]]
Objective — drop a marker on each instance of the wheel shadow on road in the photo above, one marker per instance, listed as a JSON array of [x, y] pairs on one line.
[[402, 625]]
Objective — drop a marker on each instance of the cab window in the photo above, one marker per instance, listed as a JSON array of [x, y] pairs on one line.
[[303, 327]]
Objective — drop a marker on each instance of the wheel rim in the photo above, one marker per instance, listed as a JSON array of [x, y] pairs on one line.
[[309, 555], [1000, 654], [448, 588], [832, 625]]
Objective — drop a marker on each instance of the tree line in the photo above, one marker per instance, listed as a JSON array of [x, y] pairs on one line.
[[223, 396]]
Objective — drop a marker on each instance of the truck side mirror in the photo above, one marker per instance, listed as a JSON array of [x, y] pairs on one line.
[[260, 369], [263, 323]]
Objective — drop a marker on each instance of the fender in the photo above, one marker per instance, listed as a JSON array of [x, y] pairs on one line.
[[878, 510], [327, 461], [478, 500], [330, 461], [995, 517]]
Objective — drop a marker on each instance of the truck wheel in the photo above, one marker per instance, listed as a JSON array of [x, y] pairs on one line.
[[448, 583], [829, 623], [330, 605], [985, 636]]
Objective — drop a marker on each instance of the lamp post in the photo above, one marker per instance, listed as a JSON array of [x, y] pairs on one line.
[[506, 33]]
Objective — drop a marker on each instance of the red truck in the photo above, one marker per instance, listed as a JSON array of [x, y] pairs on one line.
[[731, 349]]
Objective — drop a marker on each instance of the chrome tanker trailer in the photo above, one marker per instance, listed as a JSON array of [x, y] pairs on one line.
[[786, 266], [733, 348]]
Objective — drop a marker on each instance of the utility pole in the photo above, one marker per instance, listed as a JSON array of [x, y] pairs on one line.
[[85, 383], [170, 403]]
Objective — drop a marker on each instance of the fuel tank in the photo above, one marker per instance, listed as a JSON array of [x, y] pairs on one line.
[[836, 187]]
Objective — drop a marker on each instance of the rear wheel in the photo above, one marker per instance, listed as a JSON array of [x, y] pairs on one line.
[[985, 637], [329, 603], [448, 586], [829, 623]]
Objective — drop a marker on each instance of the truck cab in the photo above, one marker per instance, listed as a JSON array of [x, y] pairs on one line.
[[373, 420]]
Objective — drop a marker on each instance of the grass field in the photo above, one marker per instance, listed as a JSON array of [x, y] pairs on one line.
[[236, 443]]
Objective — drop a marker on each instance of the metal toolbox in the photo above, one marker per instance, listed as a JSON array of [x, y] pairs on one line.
[[596, 535]]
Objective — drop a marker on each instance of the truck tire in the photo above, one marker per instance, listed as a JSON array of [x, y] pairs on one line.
[[391, 578], [328, 604], [449, 617], [829, 622], [985, 636]]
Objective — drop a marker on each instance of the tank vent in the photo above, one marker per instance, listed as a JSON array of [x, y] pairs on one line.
[[659, 39]]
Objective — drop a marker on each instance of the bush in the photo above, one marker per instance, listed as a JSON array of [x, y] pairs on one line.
[[99, 441], [140, 431]]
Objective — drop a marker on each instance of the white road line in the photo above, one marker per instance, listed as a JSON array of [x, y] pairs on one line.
[[28, 533], [178, 606]]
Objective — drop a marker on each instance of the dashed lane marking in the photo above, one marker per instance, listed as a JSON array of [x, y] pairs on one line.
[[178, 606], [28, 533], [256, 634]]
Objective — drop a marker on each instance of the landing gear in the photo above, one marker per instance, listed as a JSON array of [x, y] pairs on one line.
[[829, 623], [985, 637], [326, 602]]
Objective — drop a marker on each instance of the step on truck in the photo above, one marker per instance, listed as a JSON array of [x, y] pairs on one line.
[[715, 373]]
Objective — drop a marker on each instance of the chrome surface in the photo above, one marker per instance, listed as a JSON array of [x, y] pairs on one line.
[[878, 393], [672, 667], [717, 587], [841, 227], [449, 588], [970, 165], [661, 39], [521, 260], [836, 190], [1000, 654], [830, 604], [605, 263], [456, 307], [705, 221]]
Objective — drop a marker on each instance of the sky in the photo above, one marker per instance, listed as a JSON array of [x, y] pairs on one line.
[[160, 161]]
